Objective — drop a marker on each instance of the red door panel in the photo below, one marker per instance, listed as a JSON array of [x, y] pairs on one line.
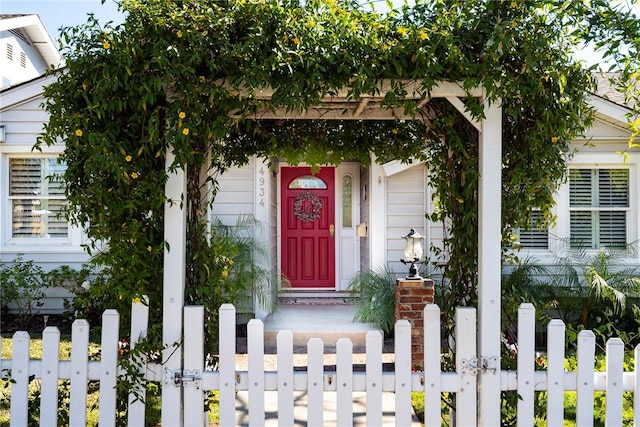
[[307, 217]]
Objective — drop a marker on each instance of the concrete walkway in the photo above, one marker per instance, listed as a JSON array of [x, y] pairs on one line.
[[329, 322], [300, 410]]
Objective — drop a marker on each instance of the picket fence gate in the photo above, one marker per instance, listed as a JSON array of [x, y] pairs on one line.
[[195, 380]]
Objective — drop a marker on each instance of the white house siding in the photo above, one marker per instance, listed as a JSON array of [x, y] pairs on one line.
[[22, 117], [236, 194], [23, 122], [406, 207]]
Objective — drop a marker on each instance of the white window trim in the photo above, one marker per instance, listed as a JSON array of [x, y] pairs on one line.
[[71, 244], [559, 233]]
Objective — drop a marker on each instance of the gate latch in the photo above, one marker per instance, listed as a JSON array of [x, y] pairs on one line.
[[479, 365], [183, 378]]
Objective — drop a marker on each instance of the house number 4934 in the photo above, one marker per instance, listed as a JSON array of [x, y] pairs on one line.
[[261, 186]]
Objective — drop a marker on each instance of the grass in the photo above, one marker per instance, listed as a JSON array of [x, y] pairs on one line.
[[35, 352]]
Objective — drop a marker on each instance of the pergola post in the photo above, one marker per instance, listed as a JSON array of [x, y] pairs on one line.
[[174, 268], [489, 254]]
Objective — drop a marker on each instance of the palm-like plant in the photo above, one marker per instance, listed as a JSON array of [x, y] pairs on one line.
[[376, 303], [602, 277]]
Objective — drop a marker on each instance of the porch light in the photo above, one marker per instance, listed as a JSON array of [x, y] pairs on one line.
[[413, 253]]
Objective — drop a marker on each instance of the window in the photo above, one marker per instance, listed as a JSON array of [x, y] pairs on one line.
[[598, 207], [308, 181], [347, 202], [36, 198], [534, 238]]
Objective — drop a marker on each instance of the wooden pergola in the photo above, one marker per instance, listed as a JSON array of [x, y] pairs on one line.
[[342, 106]]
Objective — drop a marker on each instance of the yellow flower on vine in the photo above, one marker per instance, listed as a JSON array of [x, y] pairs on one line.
[[106, 45], [402, 31], [182, 114], [554, 139], [136, 300], [514, 4], [230, 262], [296, 41], [149, 248], [185, 131], [423, 35], [134, 175], [179, 34], [225, 273], [78, 132], [202, 79], [128, 158]]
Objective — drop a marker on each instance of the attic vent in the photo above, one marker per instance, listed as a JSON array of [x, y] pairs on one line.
[[19, 34], [9, 52], [23, 59]]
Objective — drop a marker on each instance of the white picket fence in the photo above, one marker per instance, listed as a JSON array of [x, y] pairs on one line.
[[315, 381]]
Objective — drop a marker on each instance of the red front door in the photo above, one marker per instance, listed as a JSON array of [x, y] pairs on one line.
[[307, 215]]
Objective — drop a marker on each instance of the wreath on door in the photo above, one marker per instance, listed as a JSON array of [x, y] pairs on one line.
[[307, 207]]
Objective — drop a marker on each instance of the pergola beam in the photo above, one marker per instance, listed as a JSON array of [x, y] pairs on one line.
[[324, 112], [414, 89], [462, 109]]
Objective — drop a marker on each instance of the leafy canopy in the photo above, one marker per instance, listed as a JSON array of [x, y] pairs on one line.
[[186, 75]]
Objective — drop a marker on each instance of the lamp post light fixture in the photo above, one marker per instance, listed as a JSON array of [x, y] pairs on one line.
[[413, 253]]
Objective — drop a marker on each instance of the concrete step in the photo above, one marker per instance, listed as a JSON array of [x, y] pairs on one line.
[[323, 320]]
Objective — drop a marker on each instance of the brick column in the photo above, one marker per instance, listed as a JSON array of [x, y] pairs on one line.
[[411, 297]]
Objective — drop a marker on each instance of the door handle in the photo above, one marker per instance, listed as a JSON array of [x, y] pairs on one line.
[[332, 230]]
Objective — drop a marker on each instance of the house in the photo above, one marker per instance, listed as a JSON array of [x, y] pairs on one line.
[[26, 49], [372, 208], [28, 224], [319, 229]]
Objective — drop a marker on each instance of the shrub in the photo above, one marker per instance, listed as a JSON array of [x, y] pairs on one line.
[[23, 284], [376, 303]]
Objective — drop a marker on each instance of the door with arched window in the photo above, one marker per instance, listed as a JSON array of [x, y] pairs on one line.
[[308, 226]]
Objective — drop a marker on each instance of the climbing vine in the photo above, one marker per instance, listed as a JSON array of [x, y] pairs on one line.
[[185, 75]]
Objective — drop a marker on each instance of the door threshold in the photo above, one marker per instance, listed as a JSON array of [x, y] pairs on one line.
[[314, 296]]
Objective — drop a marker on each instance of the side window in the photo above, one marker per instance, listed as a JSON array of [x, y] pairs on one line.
[[598, 207], [36, 199], [347, 201], [534, 238]]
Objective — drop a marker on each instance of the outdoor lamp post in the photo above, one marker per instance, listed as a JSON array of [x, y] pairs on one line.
[[413, 253]]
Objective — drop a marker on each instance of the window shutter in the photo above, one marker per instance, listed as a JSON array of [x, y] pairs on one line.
[[580, 187], [599, 203], [534, 238], [37, 200], [613, 187], [580, 223], [25, 177]]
